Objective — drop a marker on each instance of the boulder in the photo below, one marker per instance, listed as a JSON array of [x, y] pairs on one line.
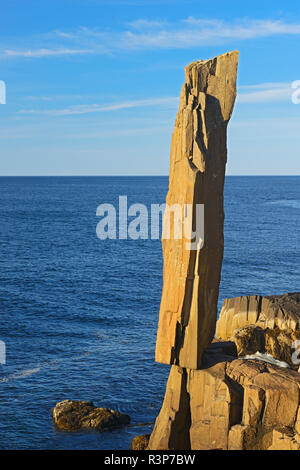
[[74, 415], [192, 271]]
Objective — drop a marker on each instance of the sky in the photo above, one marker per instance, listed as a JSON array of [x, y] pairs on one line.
[[92, 86]]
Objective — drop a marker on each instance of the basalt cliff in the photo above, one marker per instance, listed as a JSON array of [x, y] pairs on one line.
[[218, 395]]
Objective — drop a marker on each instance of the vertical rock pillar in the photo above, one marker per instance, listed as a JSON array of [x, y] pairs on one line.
[[191, 277]]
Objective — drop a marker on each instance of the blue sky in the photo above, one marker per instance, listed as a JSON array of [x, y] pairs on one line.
[[93, 86]]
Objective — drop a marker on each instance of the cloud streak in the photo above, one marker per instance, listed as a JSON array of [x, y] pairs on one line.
[[37, 53], [97, 108], [202, 32], [265, 93], [143, 34], [248, 94]]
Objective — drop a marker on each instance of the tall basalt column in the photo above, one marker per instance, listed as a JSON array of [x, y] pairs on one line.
[[191, 278]]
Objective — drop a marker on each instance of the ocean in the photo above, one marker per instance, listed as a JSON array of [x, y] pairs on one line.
[[79, 314]]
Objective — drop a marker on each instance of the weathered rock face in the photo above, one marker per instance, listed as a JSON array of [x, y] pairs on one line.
[[74, 415], [230, 404], [198, 157], [265, 324]]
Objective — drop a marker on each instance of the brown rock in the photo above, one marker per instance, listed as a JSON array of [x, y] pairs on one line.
[[236, 405], [281, 400], [253, 407], [171, 429], [215, 406], [248, 340], [140, 442], [281, 311], [74, 415], [244, 371], [279, 344], [198, 158], [239, 436], [297, 423], [284, 441]]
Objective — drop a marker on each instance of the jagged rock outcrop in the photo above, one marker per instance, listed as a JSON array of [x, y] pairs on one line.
[[231, 403], [71, 415], [191, 277], [266, 324]]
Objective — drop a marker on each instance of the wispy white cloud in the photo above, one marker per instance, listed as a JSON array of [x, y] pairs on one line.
[[38, 98], [97, 108], [146, 24], [64, 131], [64, 34], [44, 52], [124, 132], [194, 32], [203, 22], [265, 85], [247, 94], [142, 34], [200, 32], [265, 93]]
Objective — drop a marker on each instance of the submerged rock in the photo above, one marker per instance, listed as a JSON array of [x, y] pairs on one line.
[[74, 415]]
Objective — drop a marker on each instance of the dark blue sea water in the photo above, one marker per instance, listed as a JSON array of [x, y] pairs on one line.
[[79, 315]]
